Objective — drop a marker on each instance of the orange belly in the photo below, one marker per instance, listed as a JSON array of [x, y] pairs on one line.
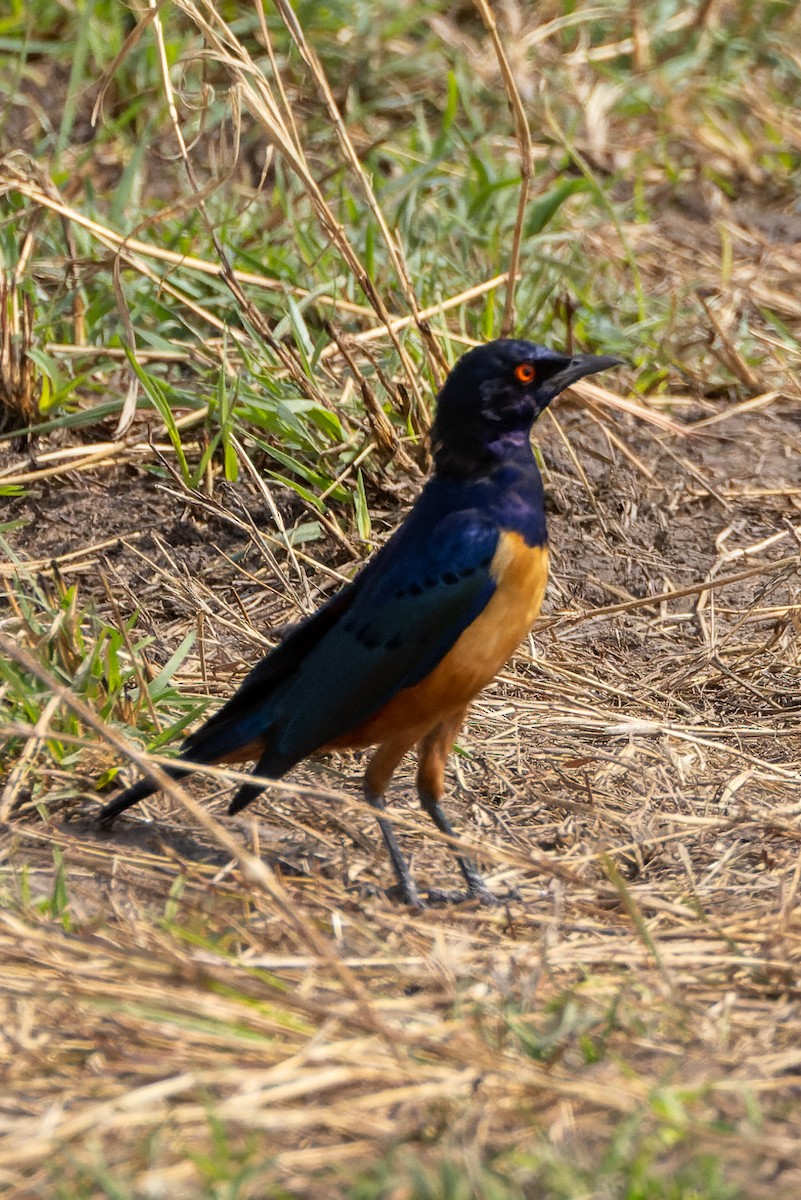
[[521, 574]]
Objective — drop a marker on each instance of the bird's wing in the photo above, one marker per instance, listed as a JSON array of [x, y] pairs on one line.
[[432, 584], [385, 631], [228, 729]]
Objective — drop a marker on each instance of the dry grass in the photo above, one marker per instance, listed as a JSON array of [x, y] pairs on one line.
[[200, 1006]]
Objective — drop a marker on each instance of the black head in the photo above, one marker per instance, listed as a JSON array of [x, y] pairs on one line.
[[494, 395]]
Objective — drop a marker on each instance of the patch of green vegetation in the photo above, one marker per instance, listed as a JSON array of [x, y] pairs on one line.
[[633, 1167], [422, 104], [100, 662]]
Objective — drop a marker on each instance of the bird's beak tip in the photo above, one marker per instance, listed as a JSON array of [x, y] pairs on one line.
[[598, 362]]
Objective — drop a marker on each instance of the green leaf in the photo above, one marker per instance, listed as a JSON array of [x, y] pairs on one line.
[[162, 680], [542, 211], [230, 462], [363, 523], [158, 399], [451, 104]]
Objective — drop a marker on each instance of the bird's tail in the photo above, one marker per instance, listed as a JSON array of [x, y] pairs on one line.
[[266, 768], [216, 742], [139, 791], [212, 743]]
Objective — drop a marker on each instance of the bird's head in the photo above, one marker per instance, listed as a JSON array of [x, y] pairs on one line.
[[493, 396]]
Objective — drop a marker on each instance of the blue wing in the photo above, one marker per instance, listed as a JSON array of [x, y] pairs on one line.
[[385, 631]]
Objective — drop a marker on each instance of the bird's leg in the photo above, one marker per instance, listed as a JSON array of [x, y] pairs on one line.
[[476, 887], [406, 885], [432, 755], [376, 779]]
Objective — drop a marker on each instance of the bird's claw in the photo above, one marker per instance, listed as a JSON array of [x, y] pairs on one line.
[[438, 896]]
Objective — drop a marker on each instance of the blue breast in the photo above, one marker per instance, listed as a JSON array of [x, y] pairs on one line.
[[510, 496]]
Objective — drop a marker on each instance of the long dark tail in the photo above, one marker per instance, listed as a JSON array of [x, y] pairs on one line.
[[266, 768], [249, 791], [139, 791]]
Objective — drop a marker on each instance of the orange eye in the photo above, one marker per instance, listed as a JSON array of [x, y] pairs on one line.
[[524, 373]]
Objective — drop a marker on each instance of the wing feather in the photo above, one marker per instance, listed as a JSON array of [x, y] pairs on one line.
[[383, 632]]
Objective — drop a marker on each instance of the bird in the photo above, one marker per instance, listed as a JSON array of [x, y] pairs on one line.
[[395, 657]]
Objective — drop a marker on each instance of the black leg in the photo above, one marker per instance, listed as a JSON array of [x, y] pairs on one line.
[[475, 884], [406, 884]]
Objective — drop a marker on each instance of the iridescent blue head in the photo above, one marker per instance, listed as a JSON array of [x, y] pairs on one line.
[[493, 396]]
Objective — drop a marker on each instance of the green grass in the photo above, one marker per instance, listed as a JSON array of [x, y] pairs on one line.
[[630, 1171], [437, 146], [101, 663]]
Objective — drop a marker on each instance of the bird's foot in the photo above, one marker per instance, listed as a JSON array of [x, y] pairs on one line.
[[436, 897], [482, 895], [407, 893]]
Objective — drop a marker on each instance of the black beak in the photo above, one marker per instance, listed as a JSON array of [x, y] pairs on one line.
[[577, 367]]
